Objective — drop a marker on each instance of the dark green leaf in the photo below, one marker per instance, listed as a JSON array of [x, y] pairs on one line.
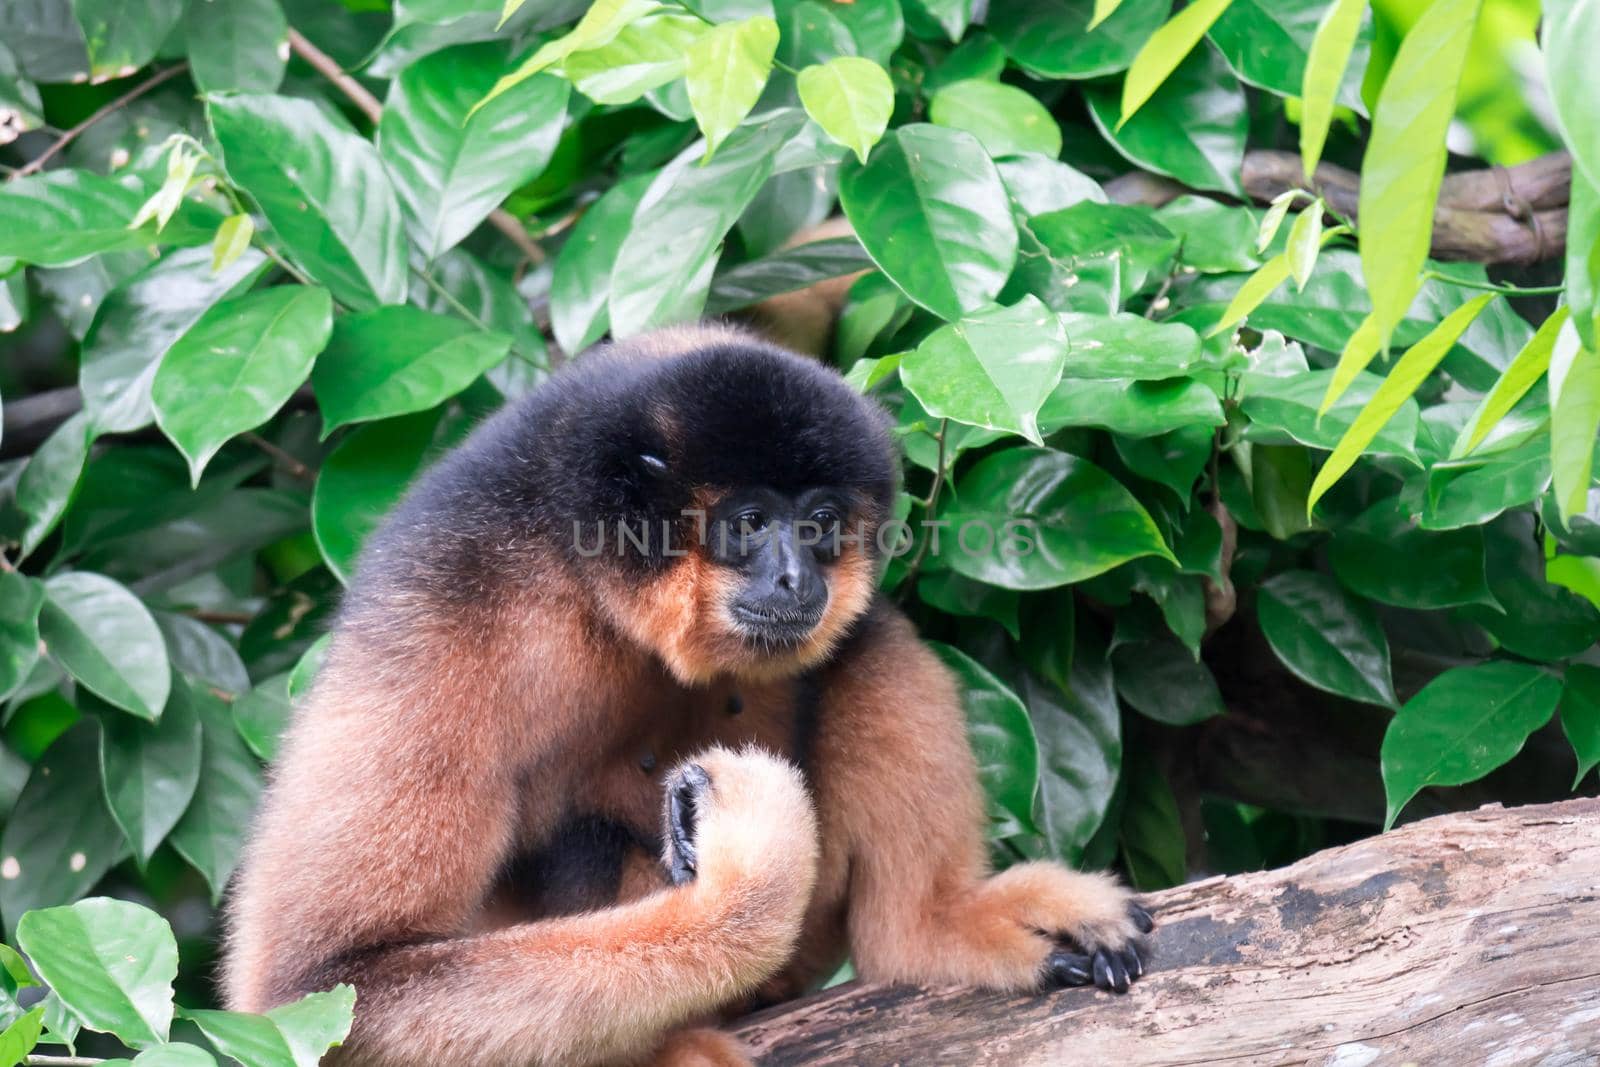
[[202, 653], [262, 714], [46, 486], [211, 832], [123, 37], [106, 639], [1326, 637], [323, 190], [1001, 734], [1267, 43], [1386, 556], [1162, 680], [1154, 848], [785, 272], [20, 600], [1134, 408], [150, 770], [362, 479], [1471, 491], [1580, 715], [1541, 621], [1284, 408], [1462, 725], [958, 595], [237, 44], [46, 39], [1051, 38]]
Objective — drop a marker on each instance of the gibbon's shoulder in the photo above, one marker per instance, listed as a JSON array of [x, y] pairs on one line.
[[631, 431]]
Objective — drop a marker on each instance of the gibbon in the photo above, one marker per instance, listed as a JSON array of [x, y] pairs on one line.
[[614, 738]]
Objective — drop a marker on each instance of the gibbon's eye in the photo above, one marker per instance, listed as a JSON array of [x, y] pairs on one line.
[[655, 463], [827, 519], [751, 520]]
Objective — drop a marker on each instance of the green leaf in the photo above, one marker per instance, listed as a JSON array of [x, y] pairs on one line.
[[1268, 44], [139, 321], [47, 484], [211, 832], [1386, 556], [20, 600], [173, 1055], [1051, 38], [199, 651], [1007, 120], [1216, 238], [105, 638], [785, 271], [878, 27], [1542, 621], [111, 962], [1283, 408], [323, 190], [1569, 35], [598, 27], [956, 594], [1192, 129], [1154, 847], [728, 68], [1134, 408], [293, 1035], [262, 714], [46, 39], [149, 771], [1041, 518], [1325, 66], [663, 267], [851, 99], [1305, 241], [1471, 491], [581, 282], [644, 56], [1574, 378], [1001, 735], [931, 211], [1408, 373], [237, 366], [1162, 681], [123, 37], [1462, 725], [1165, 49], [1326, 638], [994, 368], [233, 236], [361, 480], [305, 671], [1405, 157], [397, 360], [1580, 715], [453, 163], [1530, 364], [65, 216], [237, 44], [1115, 248], [19, 1038], [1125, 345]]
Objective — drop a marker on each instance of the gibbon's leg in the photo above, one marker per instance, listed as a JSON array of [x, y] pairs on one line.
[[896, 774], [701, 1048]]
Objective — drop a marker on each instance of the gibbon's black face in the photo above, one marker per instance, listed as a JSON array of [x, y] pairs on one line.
[[782, 546]]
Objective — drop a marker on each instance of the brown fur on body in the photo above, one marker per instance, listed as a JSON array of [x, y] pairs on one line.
[[465, 817]]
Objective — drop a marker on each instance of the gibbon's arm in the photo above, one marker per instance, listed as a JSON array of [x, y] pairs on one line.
[[392, 809], [897, 777]]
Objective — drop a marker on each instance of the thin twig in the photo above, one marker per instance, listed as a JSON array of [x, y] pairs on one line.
[[293, 466], [915, 565], [220, 618], [62, 1061], [160, 78], [369, 106]]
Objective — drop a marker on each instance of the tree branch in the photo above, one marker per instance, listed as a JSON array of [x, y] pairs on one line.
[[155, 80], [369, 106]]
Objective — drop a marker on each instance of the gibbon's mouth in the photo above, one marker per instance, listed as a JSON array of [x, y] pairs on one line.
[[784, 628]]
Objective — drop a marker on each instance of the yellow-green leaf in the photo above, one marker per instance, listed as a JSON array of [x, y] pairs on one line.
[[1305, 241], [1518, 378], [1325, 65], [1404, 162], [851, 99], [728, 68], [1574, 417], [1163, 52], [1358, 352], [599, 26], [1277, 211], [1256, 288], [1408, 373], [233, 237], [1103, 9]]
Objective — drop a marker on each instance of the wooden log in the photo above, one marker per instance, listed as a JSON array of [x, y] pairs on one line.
[[1468, 938]]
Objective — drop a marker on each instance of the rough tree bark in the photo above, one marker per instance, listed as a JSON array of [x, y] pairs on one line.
[[1466, 938]]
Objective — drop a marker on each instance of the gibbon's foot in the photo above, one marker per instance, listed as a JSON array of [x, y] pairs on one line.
[[1111, 969], [701, 1048], [686, 789]]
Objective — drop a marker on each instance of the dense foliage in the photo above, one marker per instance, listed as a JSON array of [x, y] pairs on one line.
[[1265, 452]]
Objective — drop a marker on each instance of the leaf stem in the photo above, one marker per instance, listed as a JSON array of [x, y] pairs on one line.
[[1495, 287], [915, 565], [295, 468], [160, 78], [62, 1061], [467, 313]]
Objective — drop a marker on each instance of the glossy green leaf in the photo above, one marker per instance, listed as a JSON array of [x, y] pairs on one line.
[[139, 321], [1580, 715], [236, 366], [786, 271], [1569, 34], [21, 598], [1574, 377], [1305, 241], [728, 68], [172, 1055], [1128, 346], [262, 714], [1471, 491], [1326, 61], [310, 663], [1088, 256], [323, 190], [1152, 840], [1284, 408], [1160, 680], [1216, 237], [1325, 637], [292, 1035], [1385, 555], [61, 839], [1405, 157], [1268, 43], [1007, 120], [994, 368], [1542, 621], [149, 771], [362, 479], [663, 268], [1001, 735], [1133, 408], [394, 361], [1262, 283], [1165, 49], [453, 163], [581, 283], [1408, 373], [123, 37], [598, 27], [931, 211], [851, 99], [198, 650], [46, 486], [646, 55], [878, 27], [237, 44], [1036, 518], [1527, 368], [105, 638], [64, 216], [1462, 725], [211, 832], [111, 961], [956, 594], [19, 1038], [1192, 129], [1051, 38]]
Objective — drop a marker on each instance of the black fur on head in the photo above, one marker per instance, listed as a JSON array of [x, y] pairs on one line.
[[625, 434]]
